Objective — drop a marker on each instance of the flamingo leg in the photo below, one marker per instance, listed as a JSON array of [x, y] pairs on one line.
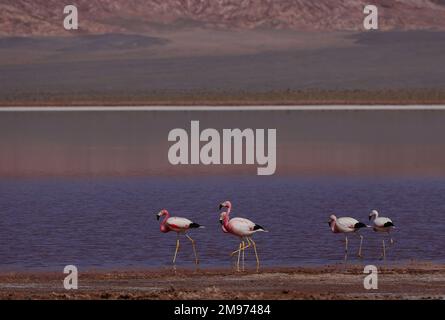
[[384, 251], [346, 249], [248, 245], [391, 241], [239, 254], [177, 249], [256, 254], [194, 249], [243, 248], [360, 248]]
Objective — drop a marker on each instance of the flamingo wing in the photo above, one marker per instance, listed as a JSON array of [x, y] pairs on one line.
[[241, 226], [383, 222], [178, 224], [346, 224]]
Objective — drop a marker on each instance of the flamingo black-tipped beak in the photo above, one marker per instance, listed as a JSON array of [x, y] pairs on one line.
[[220, 221], [220, 206], [157, 217], [369, 218]]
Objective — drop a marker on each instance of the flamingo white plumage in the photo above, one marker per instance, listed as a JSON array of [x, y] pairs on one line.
[[242, 228], [347, 225], [180, 226], [382, 224]]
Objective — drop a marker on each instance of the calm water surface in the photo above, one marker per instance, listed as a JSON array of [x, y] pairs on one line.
[[110, 222]]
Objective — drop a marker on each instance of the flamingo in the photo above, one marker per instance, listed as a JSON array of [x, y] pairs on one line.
[[347, 225], [180, 226], [382, 224], [242, 228]]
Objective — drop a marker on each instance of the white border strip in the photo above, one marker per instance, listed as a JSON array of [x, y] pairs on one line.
[[223, 108]]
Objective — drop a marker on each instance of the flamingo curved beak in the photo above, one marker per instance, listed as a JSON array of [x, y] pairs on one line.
[[157, 216], [221, 206]]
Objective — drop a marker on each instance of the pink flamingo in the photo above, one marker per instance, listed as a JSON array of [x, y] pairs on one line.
[[347, 225], [242, 228], [180, 226]]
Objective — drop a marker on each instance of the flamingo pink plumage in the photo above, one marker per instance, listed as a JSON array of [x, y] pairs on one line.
[[180, 226], [242, 228]]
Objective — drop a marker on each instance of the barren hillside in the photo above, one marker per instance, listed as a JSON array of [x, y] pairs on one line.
[[44, 17]]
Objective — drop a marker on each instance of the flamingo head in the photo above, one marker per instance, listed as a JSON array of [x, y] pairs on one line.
[[332, 218], [222, 216], [225, 204], [374, 214], [161, 213]]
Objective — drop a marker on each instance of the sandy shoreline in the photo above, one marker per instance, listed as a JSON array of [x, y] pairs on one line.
[[422, 281]]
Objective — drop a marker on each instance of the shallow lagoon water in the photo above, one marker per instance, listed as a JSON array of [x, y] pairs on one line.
[[95, 223]]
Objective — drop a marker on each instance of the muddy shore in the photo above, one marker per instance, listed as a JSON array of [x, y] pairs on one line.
[[329, 282]]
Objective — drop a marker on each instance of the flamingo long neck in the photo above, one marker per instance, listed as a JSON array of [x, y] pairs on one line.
[[332, 225], [227, 217], [164, 221]]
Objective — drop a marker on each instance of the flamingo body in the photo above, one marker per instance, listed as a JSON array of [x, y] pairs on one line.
[[242, 228], [180, 226], [345, 225], [380, 224]]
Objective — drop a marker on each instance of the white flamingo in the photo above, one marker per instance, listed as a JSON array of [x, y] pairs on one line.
[[382, 224], [180, 226], [242, 228], [347, 225]]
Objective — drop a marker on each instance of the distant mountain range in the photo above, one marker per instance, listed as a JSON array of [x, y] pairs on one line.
[[44, 17]]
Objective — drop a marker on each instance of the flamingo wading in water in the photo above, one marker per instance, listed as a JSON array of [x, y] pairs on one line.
[[242, 228], [180, 226], [347, 225], [382, 224]]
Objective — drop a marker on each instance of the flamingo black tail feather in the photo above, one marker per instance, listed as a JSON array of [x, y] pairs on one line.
[[195, 225], [359, 225], [259, 228]]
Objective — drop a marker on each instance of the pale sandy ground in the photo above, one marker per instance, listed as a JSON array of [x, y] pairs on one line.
[[417, 281]]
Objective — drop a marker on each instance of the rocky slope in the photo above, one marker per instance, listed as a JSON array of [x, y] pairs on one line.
[[44, 17]]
